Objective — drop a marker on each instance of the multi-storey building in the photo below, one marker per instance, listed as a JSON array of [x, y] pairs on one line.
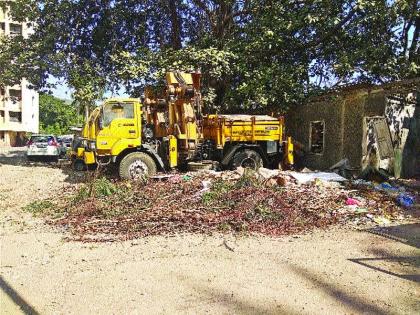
[[19, 105]]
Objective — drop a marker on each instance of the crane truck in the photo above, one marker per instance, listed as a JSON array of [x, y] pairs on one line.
[[167, 129]]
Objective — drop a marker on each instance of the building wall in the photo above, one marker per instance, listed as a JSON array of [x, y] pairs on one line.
[[360, 106], [19, 105], [349, 133], [298, 123]]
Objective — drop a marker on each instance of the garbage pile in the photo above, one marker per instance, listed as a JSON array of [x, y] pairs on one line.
[[268, 202]]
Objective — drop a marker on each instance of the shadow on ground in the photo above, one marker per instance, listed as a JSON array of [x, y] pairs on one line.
[[226, 298], [17, 298], [406, 233], [404, 267], [357, 304]]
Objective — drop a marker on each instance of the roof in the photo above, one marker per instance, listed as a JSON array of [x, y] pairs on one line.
[[394, 86]]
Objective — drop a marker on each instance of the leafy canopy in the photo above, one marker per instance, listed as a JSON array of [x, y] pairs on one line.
[[56, 116], [254, 54]]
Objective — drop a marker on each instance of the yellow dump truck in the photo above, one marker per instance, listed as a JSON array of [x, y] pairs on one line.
[[166, 130]]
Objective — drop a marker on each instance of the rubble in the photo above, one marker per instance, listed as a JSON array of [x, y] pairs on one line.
[[270, 202]]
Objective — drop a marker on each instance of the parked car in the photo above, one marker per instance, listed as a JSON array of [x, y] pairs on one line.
[[43, 146], [65, 142]]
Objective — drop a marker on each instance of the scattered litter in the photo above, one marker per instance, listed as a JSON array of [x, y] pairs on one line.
[[309, 177], [186, 178], [267, 173], [206, 186], [162, 177], [405, 200], [343, 168], [374, 175], [362, 182], [361, 210], [352, 202], [266, 202], [381, 221]]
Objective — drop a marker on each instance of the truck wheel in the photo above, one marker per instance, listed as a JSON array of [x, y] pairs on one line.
[[137, 166], [79, 165], [247, 159]]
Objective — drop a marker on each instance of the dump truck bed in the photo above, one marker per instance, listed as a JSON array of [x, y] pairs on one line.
[[242, 128]]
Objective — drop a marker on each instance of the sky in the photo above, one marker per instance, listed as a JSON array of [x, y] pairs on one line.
[[63, 91]]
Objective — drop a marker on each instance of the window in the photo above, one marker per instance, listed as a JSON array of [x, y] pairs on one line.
[[1, 135], [113, 111], [15, 29], [2, 28], [2, 94], [316, 141], [2, 116], [15, 95], [15, 117]]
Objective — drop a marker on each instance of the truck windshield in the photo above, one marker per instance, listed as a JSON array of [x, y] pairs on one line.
[[113, 111]]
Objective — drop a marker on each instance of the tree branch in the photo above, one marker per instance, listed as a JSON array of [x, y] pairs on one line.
[[332, 31]]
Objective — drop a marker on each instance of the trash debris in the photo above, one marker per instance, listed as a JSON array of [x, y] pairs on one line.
[[186, 178], [272, 204], [352, 202], [361, 210], [381, 221], [405, 200], [309, 177], [374, 175], [267, 173], [343, 168]]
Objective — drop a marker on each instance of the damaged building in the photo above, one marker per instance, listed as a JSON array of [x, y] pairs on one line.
[[370, 126]]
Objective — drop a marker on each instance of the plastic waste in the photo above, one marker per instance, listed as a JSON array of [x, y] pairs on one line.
[[352, 202], [186, 177], [405, 200], [381, 220], [361, 210], [386, 186]]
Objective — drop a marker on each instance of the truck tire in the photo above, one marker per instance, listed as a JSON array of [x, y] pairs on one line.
[[247, 159], [137, 166], [79, 165]]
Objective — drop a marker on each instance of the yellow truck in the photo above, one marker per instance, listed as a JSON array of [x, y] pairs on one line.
[[167, 130]]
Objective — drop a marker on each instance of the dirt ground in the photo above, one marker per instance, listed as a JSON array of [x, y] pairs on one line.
[[339, 271]]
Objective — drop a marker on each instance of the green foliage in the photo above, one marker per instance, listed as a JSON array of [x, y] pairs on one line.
[[38, 207], [56, 116], [104, 188], [248, 179], [218, 189], [257, 55], [81, 194], [44, 208]]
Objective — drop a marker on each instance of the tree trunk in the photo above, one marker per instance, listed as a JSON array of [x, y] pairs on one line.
[[86, 113], [175, 25]]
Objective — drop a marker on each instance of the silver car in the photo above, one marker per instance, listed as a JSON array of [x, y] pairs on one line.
[[45, 146]]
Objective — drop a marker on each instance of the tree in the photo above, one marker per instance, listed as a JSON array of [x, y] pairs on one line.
[[56, 116], [255, 54]]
